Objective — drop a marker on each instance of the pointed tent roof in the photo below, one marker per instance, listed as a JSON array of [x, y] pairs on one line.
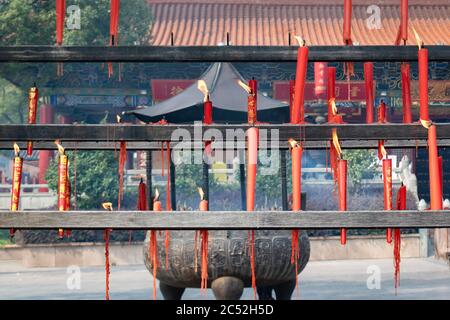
[[228, 98]]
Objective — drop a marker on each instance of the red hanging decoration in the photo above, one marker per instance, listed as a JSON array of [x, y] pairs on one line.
[[342, 173], [122, 160], [401, 205], [153, 245]]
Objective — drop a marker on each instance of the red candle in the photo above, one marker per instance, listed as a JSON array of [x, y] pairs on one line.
[[423, 84], [156, 202], [347, 21], [107, 206], [331, 91], [207, 112], [153, 245], [298, 110], [382, 112], [387, 183], [406, 92], [16, 181], [296, 154], [404, 20], [251, 103], [33, 95], [441, 172], [252, 136], [434, 172], [62, 182], [342, 185], [368, 80]]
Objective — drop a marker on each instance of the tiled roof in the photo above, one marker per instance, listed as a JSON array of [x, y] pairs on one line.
[[269, 22]]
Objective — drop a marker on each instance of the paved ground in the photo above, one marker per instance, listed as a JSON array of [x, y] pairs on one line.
[[421, 279]]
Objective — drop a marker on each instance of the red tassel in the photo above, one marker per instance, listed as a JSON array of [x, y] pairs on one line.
[[166, 244], [401, 205], [196, 236], [106, 238], [252, 261], [153, 251], [204, 265], [295, 253], [113, 29], [122, 160], [168, 200]]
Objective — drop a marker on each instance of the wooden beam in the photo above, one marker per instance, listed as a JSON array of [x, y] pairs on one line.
[[147, 145], [222, 220], [215, 53], [309, 132]]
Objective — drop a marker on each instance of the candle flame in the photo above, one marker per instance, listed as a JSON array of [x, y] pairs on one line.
[[426, 123], [336, 143], [383, 151], [156, 195], [300, 40], [16, 149], [333, 106], [201, 193], [60, 147], [201, 85], [245, 86], [107, 206], [293, 143], [418, 40], [118, 118]]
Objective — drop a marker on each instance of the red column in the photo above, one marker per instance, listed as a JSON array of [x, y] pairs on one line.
[[46, 116]]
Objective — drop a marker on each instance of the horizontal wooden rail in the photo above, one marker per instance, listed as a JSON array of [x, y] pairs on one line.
[[117, 132], [215, 53], [146, 145], [222, 220]]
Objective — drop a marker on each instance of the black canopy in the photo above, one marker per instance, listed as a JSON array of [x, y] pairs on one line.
[[228, 98]]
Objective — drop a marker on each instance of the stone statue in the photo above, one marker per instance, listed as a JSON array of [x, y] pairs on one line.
[[409, 179]]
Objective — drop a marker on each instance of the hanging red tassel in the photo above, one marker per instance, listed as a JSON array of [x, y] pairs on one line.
[[113, 29], [401, 205], [153, 246], [122, 160]]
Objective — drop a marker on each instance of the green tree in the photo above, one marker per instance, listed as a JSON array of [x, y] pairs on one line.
[[97, 179], [33, 22], [361, 165]]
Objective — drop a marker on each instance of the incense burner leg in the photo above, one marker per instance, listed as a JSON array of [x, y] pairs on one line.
[[171, 293], [227, 288], [284, 291], [265, 293]]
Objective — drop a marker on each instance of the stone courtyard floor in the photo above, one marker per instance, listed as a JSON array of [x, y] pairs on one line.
[[345, 279]]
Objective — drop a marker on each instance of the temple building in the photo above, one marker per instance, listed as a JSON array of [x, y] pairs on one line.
[[85, 93]]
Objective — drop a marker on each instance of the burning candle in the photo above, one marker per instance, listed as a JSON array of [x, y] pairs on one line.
[[17, 179], [203, 206], [62, 181], [434, 171], [107, 206], [207, 104], [406, 92], [336, 117], [331, 91], [33, 95], [342, 187], [404, 20], [156, 202], [387, 184], [423, 80], [251, 102], [368, 80], [298, 110], [381, 112]]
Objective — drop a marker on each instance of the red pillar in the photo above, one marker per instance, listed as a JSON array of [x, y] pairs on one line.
[[46, 116]]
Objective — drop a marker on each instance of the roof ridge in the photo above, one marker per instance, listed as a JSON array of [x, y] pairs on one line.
[[304, 2]]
